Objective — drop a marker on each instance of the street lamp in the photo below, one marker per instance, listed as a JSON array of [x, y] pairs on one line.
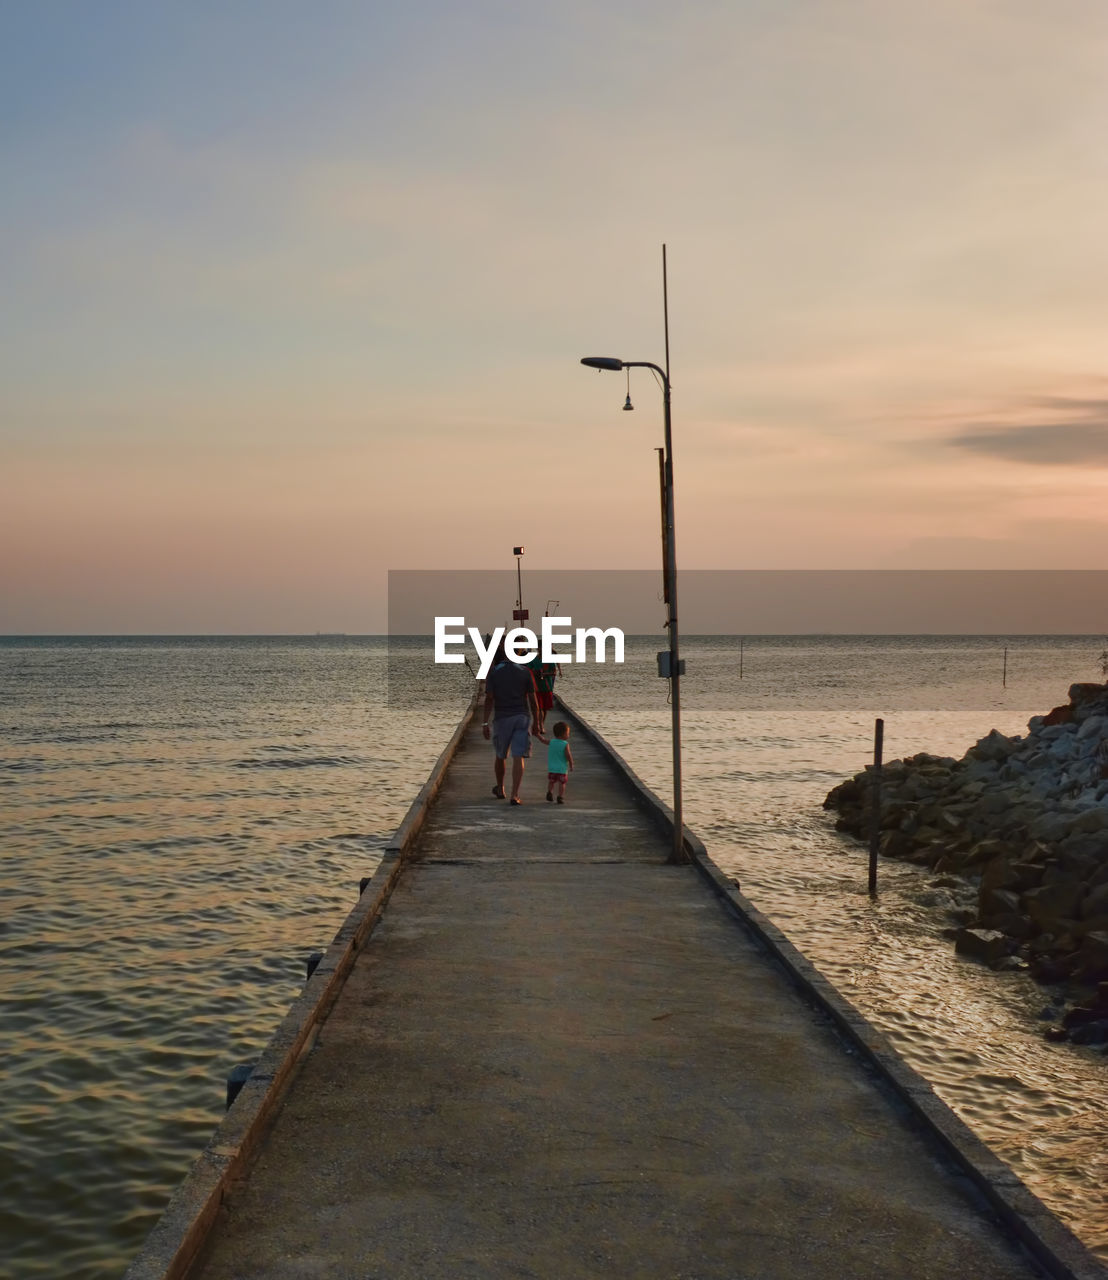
[[519, 613], [669, 570]]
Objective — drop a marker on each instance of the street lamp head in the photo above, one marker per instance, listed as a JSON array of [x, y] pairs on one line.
[[603, 362]]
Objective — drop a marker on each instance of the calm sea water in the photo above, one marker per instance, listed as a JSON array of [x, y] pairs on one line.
[[182, 821]]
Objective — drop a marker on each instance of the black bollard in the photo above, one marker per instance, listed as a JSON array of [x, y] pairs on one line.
[[875, 801], [236, 1078], [312, 962]]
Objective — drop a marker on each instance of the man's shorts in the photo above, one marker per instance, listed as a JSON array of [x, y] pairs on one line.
[[546, 699], [555, 777], [512, 733]]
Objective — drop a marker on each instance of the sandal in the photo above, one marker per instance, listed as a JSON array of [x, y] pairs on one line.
[[515, 800], [498, 792]]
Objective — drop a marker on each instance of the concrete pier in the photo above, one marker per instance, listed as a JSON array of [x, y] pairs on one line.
[[548, 1053]]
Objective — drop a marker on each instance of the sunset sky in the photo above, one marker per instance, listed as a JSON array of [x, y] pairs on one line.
[[296, 294]]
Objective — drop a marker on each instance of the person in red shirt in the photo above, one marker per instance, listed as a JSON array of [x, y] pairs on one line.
[[545, 674]]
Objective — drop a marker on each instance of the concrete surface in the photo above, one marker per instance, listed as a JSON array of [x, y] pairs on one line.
[[558, 1056]]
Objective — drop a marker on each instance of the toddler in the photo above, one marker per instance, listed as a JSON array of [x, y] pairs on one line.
[[559, 761]]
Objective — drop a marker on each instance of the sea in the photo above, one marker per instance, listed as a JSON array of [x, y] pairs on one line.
[[184, 820]]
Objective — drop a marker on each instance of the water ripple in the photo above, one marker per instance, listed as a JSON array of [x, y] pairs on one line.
[[300, 762]]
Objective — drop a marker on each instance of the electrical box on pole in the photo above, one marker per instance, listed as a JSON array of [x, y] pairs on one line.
[[665, 665]]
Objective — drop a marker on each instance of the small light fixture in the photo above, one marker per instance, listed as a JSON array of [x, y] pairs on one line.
[[627, 403]]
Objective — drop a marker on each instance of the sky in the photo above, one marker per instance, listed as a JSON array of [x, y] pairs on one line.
[[296, 295]]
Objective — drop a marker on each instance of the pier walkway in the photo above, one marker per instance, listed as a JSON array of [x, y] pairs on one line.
[[557, 1056]]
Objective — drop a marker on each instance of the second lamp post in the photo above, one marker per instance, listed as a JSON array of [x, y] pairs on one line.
[[669, 570]]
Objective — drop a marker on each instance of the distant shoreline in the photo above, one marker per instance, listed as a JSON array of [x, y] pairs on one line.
[[1094, 637]]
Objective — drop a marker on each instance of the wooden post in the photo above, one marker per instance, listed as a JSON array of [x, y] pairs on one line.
[[1005, 678], [740, 657], [875, 805]]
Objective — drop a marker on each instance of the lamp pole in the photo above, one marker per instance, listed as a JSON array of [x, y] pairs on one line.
[[669, 562], [519, 613], [670, 570]]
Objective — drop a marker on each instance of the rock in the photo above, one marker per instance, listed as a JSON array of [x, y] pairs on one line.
[[1095, 902], [1095, 726], [949, 822], [1082, 693], [849, 792], [1025, 875], [1042, 944], [1091, 1033], [1050, 733], [1068, 868], [993, 746], [1093, 956], [1024, 817], [1052, 826], [947, 882], [1092, 821], [1007, 872], [998, 902], [1084, 845], [1050, 904], [988, 945], [929, 854], [1012, 925], [1050, 969], [1083, 1015], [981, 771], [1092, 924], [895, 844]]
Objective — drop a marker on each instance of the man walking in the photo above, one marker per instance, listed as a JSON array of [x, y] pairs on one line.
[[511, 712]]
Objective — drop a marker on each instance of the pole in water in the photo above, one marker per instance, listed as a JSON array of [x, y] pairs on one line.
[[740, 657], [875, 805], [1004, 681]]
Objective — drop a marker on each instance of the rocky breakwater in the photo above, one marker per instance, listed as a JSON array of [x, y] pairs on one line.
[[1023, 822]]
